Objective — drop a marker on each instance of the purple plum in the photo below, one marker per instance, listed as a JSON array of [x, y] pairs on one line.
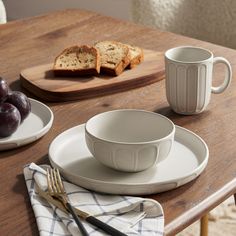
[[4, 89], [10, 119], [21, 102]]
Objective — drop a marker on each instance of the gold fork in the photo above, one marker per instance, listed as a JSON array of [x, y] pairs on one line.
[[56, 189]]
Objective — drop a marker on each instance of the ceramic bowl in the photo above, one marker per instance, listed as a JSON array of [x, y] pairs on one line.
[[129, 140]]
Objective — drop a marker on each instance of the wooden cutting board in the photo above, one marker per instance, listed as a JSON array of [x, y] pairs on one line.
[[41, 81]]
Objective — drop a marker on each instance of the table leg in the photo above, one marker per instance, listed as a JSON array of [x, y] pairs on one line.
[[204, 225]]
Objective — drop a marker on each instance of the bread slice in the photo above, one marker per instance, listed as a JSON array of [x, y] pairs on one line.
[[136, 56], [115, 56], [78, 60]]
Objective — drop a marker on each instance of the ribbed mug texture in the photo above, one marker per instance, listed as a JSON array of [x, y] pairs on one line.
[[188, 87]]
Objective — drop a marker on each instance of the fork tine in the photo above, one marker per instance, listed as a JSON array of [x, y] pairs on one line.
[[60, 183], [53, 179], [50, 190]]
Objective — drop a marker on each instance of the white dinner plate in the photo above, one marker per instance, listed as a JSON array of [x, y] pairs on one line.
[[187, 159], [32, 128]]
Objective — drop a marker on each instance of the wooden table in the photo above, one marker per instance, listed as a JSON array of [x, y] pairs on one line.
[[38, 40]]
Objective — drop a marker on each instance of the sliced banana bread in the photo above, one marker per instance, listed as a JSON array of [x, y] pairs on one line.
[[136, 55], [78, 60], [115, 56]]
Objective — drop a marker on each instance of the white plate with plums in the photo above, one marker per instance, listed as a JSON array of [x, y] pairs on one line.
[[22, 120]]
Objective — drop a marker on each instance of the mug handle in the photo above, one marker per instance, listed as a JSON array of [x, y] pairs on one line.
[[228, 75]]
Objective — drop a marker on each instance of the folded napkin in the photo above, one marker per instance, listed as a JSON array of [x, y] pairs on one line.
[[131, 215]]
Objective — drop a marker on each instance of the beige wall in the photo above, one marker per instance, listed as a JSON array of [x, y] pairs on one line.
[[17, 9], [208, 20]]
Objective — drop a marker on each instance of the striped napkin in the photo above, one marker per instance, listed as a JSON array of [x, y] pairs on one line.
[[131, 215]]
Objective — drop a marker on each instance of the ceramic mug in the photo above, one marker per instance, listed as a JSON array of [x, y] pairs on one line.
[[189, 78]]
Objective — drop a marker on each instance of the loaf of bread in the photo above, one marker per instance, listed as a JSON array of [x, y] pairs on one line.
[[78, 60], [115, 56], [136, 56]]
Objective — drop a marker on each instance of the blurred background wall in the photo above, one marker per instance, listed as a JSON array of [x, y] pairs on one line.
[[208, 20], [17, 9]]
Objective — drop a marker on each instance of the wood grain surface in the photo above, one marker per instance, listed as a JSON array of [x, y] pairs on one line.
[[41, 81], [34, 41]]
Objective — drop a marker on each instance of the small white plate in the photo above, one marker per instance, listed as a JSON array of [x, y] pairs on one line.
[[32, 128], [188, 158]]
